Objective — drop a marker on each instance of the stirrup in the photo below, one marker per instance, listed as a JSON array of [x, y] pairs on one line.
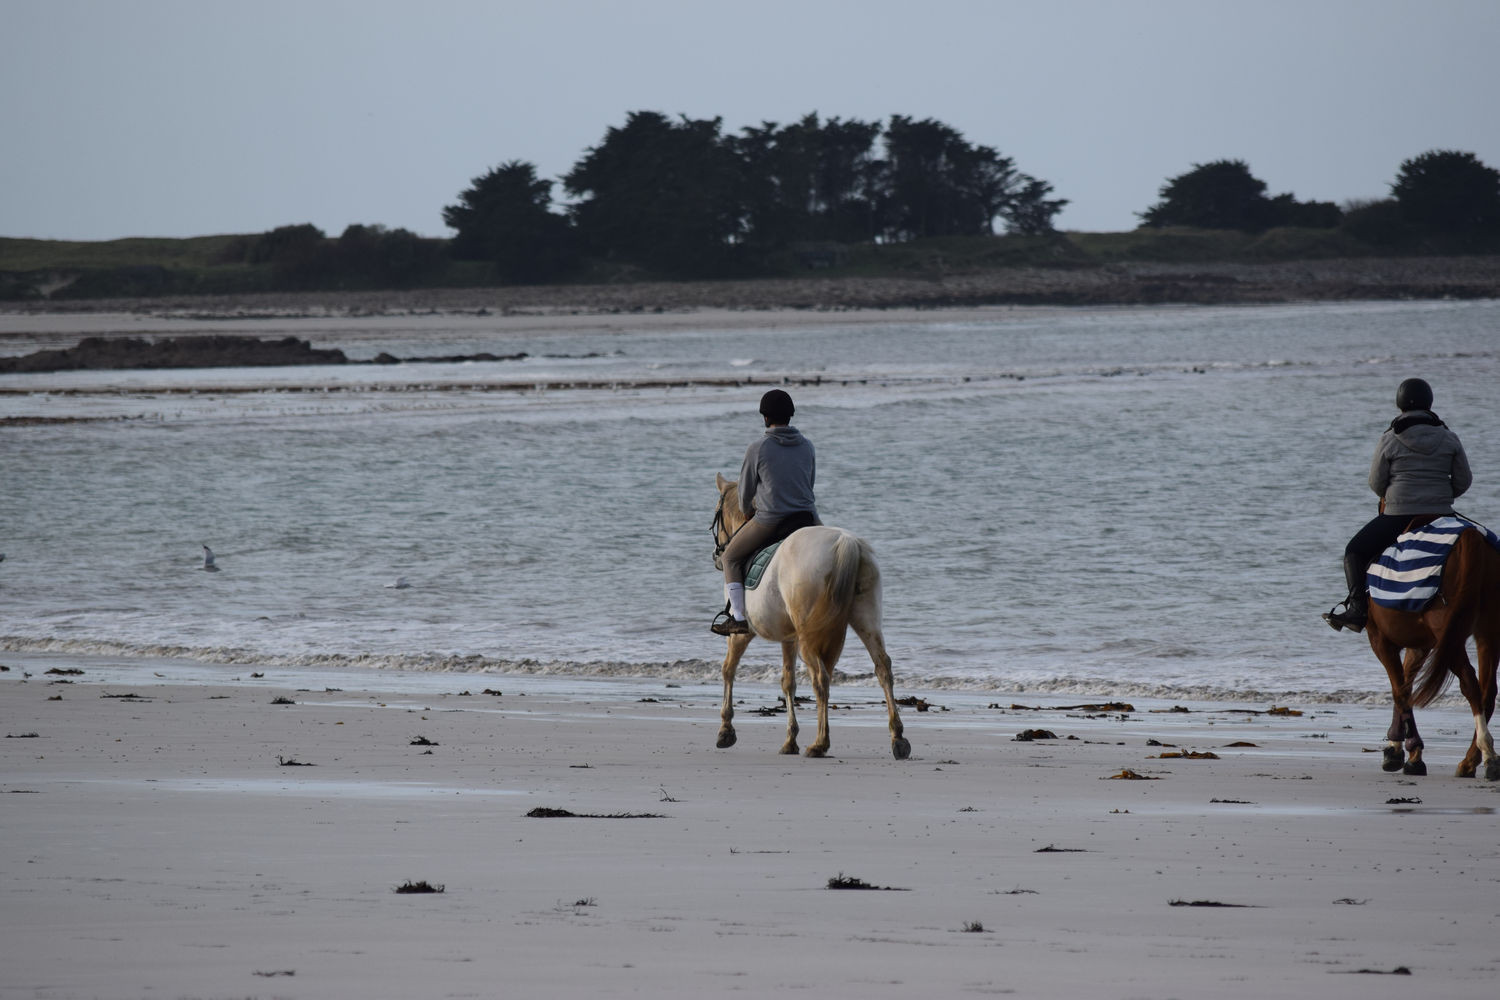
[[1338, 622], [727, 624]]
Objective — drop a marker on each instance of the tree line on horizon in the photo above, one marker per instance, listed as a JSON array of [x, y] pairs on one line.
[[682, 198], [1440, 200]]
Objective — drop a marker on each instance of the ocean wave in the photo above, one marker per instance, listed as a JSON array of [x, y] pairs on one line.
[[689, 671]]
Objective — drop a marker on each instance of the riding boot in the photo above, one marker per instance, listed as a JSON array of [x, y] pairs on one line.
[[1357, 604]]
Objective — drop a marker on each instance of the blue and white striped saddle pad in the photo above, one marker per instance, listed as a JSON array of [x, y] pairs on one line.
[[1407, 575]]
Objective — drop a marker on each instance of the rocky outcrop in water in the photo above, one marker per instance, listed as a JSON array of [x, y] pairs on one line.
[[175, 352], [204, 352]]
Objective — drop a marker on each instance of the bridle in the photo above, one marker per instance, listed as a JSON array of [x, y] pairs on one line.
[[720, 528]]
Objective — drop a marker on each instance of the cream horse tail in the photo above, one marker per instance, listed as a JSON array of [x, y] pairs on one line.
[[826, 622]]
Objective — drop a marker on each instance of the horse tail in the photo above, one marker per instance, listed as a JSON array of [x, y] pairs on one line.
[[828, 618], [1464, 578]]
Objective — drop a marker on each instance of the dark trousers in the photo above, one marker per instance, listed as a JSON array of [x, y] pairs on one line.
[[1367, 544]]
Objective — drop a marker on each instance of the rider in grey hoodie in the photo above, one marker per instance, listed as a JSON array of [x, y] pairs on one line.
[[1419, 468], [776, 493]]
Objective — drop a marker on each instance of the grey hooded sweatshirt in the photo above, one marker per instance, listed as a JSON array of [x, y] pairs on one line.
[[776, 478], [1419, 466]]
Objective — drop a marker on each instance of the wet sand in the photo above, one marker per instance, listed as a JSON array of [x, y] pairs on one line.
[[182, 834]]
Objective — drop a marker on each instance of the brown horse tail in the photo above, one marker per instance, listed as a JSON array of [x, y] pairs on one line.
[[829, 616], [1463, 587]]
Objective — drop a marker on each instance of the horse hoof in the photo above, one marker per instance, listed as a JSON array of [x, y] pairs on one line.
[[726, 740], [815, 751], [902, 749], [788, 747], [1392, 758], [1415, 768], [1492, 769]]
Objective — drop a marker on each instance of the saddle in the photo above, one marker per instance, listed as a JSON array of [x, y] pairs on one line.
[[1407, 575], [758, 563]]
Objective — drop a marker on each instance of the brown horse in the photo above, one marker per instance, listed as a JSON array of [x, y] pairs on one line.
[[819, 584], [1434, 641]]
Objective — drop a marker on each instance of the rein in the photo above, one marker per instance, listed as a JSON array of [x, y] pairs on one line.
[[718, 528]]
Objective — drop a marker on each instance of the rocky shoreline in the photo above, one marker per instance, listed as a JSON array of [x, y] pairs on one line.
[[1131, 283], [127, 353]]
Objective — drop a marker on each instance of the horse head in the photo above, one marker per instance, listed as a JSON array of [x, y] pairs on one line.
[[727, 517]]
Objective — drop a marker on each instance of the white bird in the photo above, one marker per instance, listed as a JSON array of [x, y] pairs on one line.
[[208, 560], [400, 584]]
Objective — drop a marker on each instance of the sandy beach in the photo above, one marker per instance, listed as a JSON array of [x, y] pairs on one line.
[[158, 838]]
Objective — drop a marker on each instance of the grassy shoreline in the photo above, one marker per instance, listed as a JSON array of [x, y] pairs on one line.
[[1140, 267]]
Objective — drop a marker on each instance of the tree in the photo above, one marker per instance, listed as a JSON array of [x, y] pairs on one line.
[[1284, 210], [285, 245], [779, 167], [1225, 195], [1377, 222], [1443, 191], [849, 179], [992, 182], [505, 216], [661, 193], [807, 181], [1218, 195], [932, 190], [298, 255], [937, 184], [377, 257], [1028, 210]]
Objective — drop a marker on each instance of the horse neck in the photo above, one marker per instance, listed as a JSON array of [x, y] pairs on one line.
[[733, 519]]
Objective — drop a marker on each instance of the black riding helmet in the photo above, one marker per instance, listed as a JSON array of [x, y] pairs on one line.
[[776, 406], [1413, 394]]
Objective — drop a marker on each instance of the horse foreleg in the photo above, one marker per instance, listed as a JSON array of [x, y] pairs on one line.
[[1415, 766], [875, 643], [1403, 727], [789, 694], [737, 644]]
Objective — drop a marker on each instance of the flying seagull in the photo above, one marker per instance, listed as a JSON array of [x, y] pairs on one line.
[[208, 560]]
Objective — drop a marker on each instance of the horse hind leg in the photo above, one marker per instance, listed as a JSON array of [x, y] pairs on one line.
[[789, 694], [1488, 653], [871, 636], [1483, 743], [819, 671], [819, 653]]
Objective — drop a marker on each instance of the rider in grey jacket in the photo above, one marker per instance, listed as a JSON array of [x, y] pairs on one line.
[[1419, 468], [776, 493]]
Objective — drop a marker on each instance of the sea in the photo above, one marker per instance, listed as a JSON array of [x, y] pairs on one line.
[[1107, 502]]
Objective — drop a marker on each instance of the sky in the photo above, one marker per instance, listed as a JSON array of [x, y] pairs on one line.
[[200, 117]]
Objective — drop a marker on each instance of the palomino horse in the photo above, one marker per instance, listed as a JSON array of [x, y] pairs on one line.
[[820, 583], [1434, 640]]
